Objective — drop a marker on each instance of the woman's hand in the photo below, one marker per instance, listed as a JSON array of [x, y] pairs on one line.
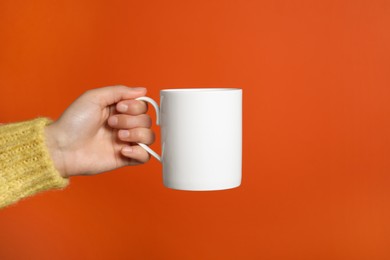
[[97, 132]]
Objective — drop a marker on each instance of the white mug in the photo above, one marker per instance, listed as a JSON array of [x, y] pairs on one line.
[[201, 137]]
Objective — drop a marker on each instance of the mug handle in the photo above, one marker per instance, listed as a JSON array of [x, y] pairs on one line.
[[157, 109]]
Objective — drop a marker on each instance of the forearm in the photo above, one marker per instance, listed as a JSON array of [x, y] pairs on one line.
[[26, 166]]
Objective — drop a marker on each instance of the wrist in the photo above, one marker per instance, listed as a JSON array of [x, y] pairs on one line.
[[55, 149]]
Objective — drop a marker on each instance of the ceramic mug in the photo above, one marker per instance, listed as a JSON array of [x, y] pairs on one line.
[[201, 137]]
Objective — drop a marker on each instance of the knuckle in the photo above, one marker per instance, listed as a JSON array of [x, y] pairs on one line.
[[121, 87], [142, 155], [146, 158], [143, 135], [137, 107], [137, 121], [146, 119], [131, 136], [152, 136], [133, 106], [148, 136], [88, 92], [130, 122], [139, 135]]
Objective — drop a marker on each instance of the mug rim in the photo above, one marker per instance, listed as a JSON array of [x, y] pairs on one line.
[[184, 90]]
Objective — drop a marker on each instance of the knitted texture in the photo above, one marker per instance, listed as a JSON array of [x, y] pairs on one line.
[[25, 163]]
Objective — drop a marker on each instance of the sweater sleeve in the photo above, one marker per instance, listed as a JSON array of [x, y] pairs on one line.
[[25, 164]]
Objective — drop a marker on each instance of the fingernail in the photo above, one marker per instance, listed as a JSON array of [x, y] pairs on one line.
[[139, 88], [122, 108], [124, 133], [113, 120], [127, 149]]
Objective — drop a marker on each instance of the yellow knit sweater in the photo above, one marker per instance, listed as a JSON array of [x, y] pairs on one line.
[[25, 164]]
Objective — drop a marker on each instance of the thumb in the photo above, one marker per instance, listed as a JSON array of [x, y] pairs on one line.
[[110, 95]]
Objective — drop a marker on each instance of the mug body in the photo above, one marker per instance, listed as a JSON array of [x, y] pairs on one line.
[[201, 138]]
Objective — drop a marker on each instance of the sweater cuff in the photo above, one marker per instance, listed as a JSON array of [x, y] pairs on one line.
[[26, 167]]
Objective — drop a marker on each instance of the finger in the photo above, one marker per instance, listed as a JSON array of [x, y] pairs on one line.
[[132, 107], [110, 95], [136, 152], [122, 121], [137, 135]]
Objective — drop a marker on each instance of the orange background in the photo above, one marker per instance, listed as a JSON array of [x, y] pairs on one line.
[[316, 159]]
